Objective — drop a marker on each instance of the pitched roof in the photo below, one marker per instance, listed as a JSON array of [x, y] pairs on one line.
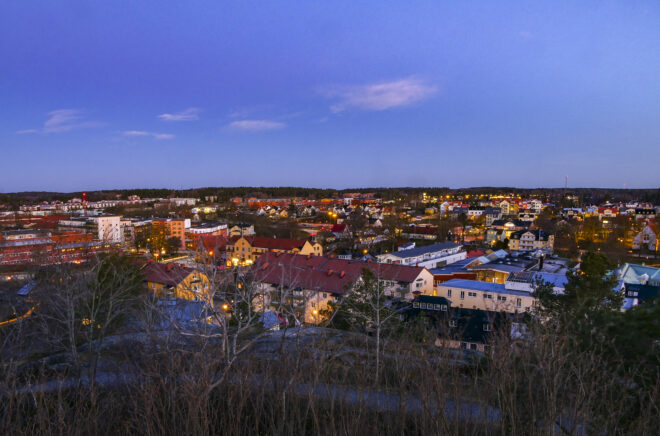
[[275, 243], [475, 253], [324, 273], [338, 228], [169, 274], [213, 242]]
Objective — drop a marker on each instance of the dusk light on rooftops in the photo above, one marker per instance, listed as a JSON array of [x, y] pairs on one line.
[[329, 217]]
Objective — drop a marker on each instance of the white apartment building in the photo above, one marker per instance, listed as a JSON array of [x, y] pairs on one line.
[[110, 229], [431, 256]]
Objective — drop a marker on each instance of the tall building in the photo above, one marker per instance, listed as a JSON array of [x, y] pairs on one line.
[[174, 228], [109, 229]]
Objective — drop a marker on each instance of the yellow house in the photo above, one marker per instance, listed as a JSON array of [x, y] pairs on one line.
[[245, 250], [175, 281], [531, 240], [493, 297]]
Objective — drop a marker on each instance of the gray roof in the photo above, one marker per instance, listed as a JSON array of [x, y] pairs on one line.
[[418, 251], [459, 266]]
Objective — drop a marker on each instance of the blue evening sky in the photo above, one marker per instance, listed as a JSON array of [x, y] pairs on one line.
[[126, 94]]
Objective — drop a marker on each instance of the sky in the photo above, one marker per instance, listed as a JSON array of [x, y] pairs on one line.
[[139, 94]]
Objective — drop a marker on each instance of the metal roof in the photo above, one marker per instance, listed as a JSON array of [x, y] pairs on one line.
[[419, 251]]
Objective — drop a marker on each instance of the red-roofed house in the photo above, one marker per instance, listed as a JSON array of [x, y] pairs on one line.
[[172, 280], [245, 250], [309, 282]]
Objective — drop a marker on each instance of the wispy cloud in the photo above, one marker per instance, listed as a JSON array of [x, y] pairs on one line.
[[256, 125], [136, 133], [381, 95], [145, 133], [62, 120], [190, 114]]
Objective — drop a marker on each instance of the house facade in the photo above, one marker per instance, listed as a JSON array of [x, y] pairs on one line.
[[531, 240], [430, 256], [307, 284], [647, 239], [494, 297], [245, 250], [175, 281]]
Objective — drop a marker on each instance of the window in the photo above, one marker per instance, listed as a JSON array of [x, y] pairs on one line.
[[443, 307], [462, 295], [486, 327], [501, 298], [422, 305], [449, 293], [416, 305], [472, 294], [452, 323], [518, 302], [488, 296]]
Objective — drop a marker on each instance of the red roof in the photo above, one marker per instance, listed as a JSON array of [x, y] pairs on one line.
[[417, 230], [274, 243], [338, 228], [475, 253], [170, 274], [322, 273], [213, 242]]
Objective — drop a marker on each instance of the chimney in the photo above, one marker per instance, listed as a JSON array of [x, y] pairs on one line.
[[330, 272], [170, 266], [541, 262], [341, 274]]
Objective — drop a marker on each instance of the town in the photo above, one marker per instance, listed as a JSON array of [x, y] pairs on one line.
[[490, 248], [472, 268], [329, 218]]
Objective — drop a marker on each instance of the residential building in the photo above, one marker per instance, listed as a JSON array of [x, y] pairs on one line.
[[183, 201], [430, 256], [639, 283], [208, 228], [428, 233], [494, 297], [526, 281], [170, 280], [245, 250], [110, 229], [460, 328], [241, 230], [647, 239], [174, 228], [309, 283], [645, 213], [531, 240]]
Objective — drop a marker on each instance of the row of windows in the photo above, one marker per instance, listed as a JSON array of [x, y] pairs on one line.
[[430, 306], [485, 296]]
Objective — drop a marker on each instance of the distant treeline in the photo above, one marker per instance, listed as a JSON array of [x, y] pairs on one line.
[[585, 195]]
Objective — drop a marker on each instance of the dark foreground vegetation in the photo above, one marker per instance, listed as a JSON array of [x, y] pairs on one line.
[[97, 358]]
